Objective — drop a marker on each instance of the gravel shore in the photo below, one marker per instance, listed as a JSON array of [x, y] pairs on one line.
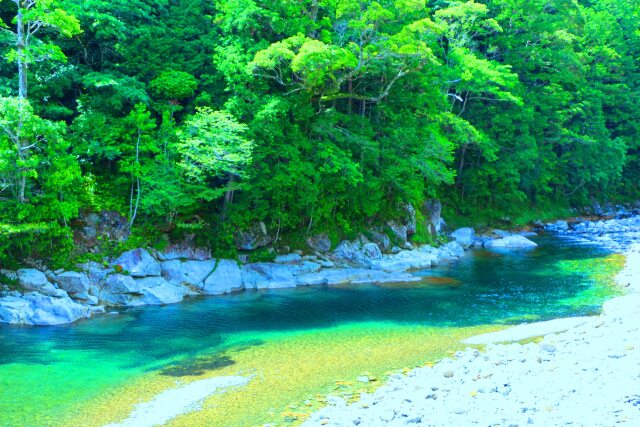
[[583, 372]]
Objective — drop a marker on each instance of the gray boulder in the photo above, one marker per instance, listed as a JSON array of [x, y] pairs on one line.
[[138, 263], [157, 291], [399, 230], [32, 279], [96, 272], [410, 219], [264, 275], [450, 250], [347, 250], [319, 243], [191, 273], [423, 257], [353, 275], [464, 236], [184, 251], [511, 242], [121, 284], [73, 282], [253, 238], [371, 251], [432, 211], [225, 278], [289, 259], [381, 239], [305, 267], [37, 309]]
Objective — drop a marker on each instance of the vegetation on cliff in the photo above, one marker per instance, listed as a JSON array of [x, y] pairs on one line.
[[207, 116]]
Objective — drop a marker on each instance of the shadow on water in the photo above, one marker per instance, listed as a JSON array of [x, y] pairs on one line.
[[198, 366]]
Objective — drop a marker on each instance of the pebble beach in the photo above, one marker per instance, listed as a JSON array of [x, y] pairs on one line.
[[577, 372]]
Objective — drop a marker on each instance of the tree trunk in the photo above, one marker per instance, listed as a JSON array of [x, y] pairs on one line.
[[22, 97], [228, 198]]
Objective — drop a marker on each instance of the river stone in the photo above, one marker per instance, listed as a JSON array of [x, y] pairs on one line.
[[319, 243], [138, 263], [225, 278], [511, 242], [464, 236], [73, 282]]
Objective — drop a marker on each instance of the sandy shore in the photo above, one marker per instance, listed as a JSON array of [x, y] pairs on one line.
[[583, 372]]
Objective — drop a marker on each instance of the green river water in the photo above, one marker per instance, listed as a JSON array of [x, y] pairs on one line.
[[299, 344]]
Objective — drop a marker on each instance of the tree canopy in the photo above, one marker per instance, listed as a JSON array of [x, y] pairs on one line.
[[312, 114]]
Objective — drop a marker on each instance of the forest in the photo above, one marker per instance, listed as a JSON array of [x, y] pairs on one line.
[[207, 116]]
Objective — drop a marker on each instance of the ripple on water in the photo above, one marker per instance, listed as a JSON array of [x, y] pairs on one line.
[[297, 342]]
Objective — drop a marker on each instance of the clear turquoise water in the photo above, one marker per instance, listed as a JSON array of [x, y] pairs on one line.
[[46, 371]]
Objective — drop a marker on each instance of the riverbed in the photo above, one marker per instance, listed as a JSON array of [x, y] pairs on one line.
[[295, 345]]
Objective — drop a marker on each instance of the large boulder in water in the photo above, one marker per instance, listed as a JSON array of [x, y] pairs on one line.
[[138, 263], [511, 242], [464, 236], [38, 309], [225, 278]]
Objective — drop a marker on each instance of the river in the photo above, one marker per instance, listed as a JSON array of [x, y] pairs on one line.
[[297, 344]]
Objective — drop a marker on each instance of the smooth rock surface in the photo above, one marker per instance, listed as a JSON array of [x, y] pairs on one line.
[[225, 278], [138, 263], [73, 282]]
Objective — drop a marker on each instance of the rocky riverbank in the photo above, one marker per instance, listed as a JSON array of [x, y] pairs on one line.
[[583, 372], [143, 277]]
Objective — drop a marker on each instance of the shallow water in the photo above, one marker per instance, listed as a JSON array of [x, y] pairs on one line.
[[296, 342]]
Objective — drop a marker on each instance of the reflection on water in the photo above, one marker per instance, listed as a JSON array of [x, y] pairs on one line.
[[186, 339]]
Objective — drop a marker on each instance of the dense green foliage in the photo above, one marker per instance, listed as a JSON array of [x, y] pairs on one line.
[[312, 114]]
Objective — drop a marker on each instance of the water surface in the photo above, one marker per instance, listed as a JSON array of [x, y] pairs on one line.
[[296, 342]]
